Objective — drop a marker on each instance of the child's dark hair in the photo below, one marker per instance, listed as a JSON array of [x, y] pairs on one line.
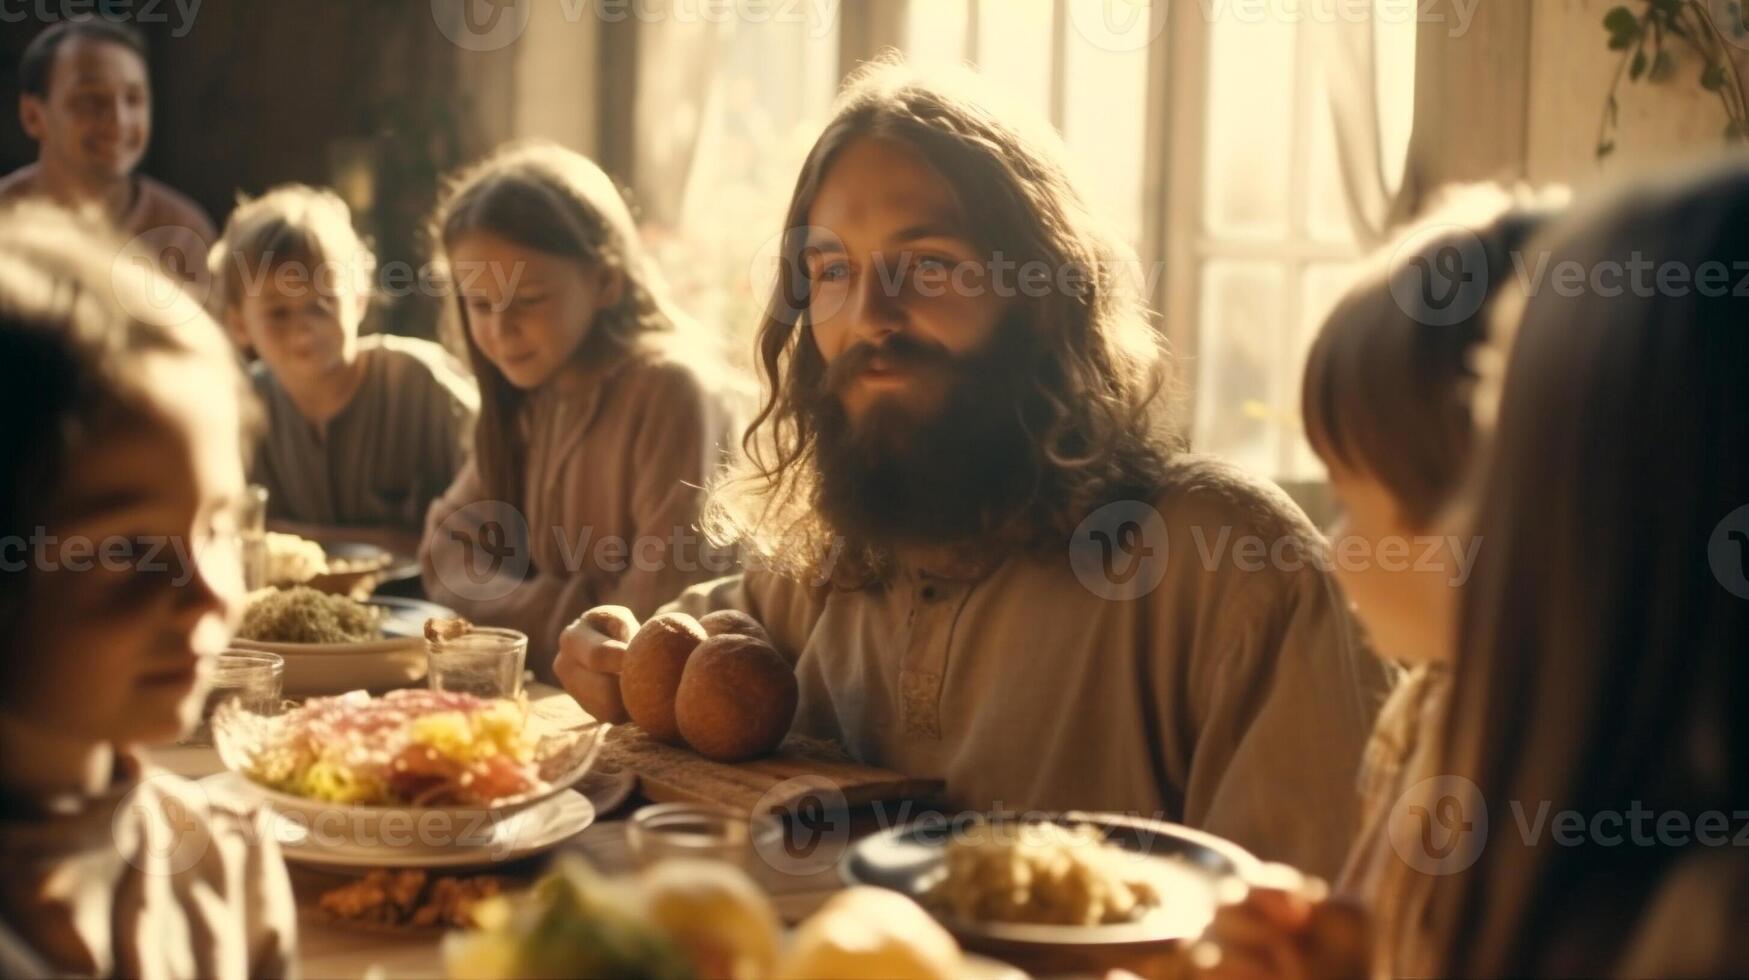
[[38, 61], [1388, 379], [77, 313]]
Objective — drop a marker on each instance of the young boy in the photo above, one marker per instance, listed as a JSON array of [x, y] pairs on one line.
[[362, 433], [86, 99]]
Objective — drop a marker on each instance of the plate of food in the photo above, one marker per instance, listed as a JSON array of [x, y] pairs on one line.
[[684, 918], [334, 643], [412, 771], [341, 568], [1070, 891]]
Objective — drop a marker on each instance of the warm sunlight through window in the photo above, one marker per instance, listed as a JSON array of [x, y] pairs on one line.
[[1071, 61], [773, 88], [1275, 244]]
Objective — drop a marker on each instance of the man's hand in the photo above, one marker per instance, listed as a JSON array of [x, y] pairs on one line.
[[591, 651]]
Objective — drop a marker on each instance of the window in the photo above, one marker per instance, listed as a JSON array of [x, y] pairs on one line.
[[1273, 245], [767, 100], [1084, 71]]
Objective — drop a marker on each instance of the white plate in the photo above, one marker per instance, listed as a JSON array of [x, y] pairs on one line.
[[481, 839], [1185, 866]]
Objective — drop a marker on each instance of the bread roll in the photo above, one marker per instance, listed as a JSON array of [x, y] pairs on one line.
[[736, 700], [656, 657], [727, 622]]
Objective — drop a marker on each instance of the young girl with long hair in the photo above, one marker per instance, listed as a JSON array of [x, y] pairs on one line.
[[604, 410]]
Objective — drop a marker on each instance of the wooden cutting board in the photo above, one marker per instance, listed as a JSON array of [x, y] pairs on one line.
[[667, 774]]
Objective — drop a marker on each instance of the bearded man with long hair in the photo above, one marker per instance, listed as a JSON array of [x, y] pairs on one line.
[[965, 520]]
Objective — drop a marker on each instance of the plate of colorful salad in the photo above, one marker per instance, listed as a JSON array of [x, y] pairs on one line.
[[402, 758]]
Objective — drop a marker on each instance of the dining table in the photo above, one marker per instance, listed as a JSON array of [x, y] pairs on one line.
[[329, 948]]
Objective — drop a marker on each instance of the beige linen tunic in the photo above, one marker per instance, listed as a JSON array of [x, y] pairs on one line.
[[395, 448], [154, 880], [1232, 696], [618, 457]]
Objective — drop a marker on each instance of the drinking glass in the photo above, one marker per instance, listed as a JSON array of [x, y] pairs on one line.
[[254, 678], [486, 661], [692, 830]]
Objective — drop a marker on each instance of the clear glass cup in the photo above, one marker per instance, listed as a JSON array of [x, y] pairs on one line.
[[252, 530], [692, 830], [256, 679], [486, 661]]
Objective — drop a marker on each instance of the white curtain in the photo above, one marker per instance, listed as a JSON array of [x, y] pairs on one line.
[[1349, 52]]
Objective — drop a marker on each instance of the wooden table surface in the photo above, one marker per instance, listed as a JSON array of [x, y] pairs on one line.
[[330, 950]]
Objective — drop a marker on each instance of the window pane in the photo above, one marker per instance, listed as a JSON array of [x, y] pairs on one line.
[[1236, 389], [1250, 123], [1327, 215], [1105, 96], [1014, 49], [935, 32]]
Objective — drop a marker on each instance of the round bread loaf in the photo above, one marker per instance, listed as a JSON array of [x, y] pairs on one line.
[[737, 698], [725, 622], [655, 659]]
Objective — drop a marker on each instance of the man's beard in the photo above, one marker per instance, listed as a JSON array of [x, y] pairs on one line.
[[954, 476]]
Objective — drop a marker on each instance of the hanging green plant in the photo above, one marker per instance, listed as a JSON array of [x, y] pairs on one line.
[[1649, 32]]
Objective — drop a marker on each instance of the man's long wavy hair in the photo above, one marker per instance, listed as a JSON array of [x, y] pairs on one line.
[[1096, 407]]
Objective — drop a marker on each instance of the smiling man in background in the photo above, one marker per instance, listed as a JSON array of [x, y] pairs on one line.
[[86, 100]]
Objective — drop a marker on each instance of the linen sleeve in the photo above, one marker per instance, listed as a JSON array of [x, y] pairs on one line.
[[1283, 711]]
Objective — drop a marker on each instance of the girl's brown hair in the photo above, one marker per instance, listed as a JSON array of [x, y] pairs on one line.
[[1601, 646], [1388, 379], [1098, 367], [545, 197], [78, 312]]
